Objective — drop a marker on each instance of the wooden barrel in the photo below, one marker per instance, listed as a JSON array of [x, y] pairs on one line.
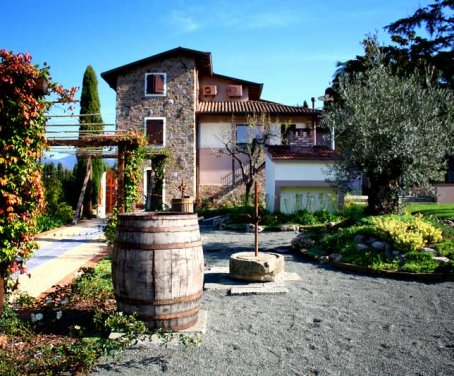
[[183, 205], [157, 268]]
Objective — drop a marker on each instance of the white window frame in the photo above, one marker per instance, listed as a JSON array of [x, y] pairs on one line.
[[165, 84], [164, 129]]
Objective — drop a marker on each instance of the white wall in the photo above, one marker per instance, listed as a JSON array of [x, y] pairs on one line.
[[301, 170], [270, 187], [307, 198], [214, 135]]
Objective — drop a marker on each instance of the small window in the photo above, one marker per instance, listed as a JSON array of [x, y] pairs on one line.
[[155, 84], [155, 131]]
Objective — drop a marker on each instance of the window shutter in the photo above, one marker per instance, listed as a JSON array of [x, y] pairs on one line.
[[150, 83], [155, 131], [158, 84]]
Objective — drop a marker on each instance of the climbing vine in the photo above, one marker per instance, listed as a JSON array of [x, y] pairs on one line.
[[136, 151], [22, 142]]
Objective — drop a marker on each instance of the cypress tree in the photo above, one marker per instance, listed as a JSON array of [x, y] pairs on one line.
[[91, 106]]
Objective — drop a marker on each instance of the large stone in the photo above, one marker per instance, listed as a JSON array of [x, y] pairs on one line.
[[302, 241], [441, 259], [361, 247], [250, 227], [379, 246], [434, 252], [265, 267]]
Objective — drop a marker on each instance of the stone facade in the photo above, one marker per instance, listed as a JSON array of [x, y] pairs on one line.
[[177, 107]]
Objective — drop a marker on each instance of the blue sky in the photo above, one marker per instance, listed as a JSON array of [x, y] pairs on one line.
[[291, 46]]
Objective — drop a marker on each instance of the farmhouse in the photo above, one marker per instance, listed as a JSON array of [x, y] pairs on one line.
[[182, 105]]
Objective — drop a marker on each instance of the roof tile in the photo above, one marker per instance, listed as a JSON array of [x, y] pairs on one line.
[[249, 107]]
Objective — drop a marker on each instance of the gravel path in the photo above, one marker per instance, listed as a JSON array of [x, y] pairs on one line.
[[329, 323]]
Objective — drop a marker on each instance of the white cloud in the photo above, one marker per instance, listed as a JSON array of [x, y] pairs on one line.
[[183, 22]]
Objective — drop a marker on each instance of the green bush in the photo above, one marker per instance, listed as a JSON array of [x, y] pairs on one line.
[[446, 249], [46, 223], [419, 262]]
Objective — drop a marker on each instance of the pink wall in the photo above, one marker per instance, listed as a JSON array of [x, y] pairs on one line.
[[445, 193], [213, 167], [222, 87]]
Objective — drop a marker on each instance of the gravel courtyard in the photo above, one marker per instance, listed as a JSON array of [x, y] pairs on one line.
[[329, 323]]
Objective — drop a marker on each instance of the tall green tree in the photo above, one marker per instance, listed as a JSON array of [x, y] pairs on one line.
[[424, 39], [395, 130], [90, 124]]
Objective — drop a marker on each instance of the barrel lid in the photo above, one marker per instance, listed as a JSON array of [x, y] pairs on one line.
[[158, 215]]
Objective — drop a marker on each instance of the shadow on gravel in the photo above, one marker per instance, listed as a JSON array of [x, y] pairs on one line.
[[157, 361]]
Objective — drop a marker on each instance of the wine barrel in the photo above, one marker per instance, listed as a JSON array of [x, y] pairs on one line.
[[183, 205], [157, 268]]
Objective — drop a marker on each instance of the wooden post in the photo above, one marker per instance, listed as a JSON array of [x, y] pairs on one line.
[[257, 219], [82, 192], [121, 179]]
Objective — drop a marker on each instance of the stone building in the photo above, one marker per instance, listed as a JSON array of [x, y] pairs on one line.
[[181, 104]]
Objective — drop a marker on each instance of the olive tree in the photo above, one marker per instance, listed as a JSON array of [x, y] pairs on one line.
[[396, 130]]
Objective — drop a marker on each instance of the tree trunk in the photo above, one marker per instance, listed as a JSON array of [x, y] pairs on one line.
[[384, 196], [247, 192]]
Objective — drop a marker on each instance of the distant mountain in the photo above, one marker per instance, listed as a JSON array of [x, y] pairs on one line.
[[68, 162]]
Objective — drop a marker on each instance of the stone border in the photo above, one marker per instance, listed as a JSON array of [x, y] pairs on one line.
[[418, 277]]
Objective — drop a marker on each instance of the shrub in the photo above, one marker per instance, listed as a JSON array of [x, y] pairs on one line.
[[446, 249], [406, 234], [419, 262]]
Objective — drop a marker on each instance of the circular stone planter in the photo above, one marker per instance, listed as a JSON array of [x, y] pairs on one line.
[[265, 267]]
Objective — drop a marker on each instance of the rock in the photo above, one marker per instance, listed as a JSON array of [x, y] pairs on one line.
[[430, 250], [250, 227], [288, 227], [361, 247], [331, 224], [389, 253], [449, 223], [370, 239], [379, 246], [324, 260], [358, 238], [335, 257], [302, 241], [441, 259]]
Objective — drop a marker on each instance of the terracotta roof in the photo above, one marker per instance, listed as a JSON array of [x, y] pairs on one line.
[[203, 61], [249, 107], [309, 153]]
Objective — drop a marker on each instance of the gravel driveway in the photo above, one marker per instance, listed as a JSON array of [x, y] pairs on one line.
[[329, 323]]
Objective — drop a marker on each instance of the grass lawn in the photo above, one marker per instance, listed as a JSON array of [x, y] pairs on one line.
[[442, 211]]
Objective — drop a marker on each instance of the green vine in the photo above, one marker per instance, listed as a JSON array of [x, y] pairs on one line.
[[136, 151], [22, 141]]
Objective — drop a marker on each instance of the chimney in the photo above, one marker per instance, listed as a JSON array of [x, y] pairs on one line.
[[314, 132]]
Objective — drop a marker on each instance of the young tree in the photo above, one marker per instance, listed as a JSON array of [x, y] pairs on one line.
[[90, 106], [246, 145], [395, 130]]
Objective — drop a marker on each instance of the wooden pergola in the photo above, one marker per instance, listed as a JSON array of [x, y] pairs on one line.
[[94, 139]]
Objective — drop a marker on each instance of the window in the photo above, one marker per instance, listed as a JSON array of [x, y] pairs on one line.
[[245, 133], [155, 84], [155, 131]]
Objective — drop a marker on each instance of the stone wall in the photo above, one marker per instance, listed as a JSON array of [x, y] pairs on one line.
[[178, 109]]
